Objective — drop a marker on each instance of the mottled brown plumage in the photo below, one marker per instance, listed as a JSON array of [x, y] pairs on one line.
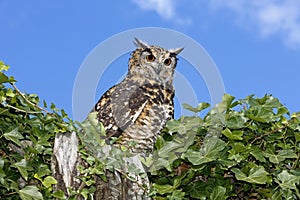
[[135, 111], [137, 108]]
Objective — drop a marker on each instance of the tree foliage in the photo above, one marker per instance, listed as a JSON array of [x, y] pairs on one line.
[[27, 133], [240, 149], [243, 149]]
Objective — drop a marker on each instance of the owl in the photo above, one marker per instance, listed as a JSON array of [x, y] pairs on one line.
[[136, 109]]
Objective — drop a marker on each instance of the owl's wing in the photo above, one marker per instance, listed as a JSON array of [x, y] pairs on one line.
[[119, 107]]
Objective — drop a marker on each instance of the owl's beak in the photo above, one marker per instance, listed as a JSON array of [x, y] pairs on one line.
[[157, 70]]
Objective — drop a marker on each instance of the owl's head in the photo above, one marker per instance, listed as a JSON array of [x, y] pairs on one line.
[[153, 62]]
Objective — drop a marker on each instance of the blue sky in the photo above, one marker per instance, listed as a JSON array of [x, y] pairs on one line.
[[255, 44]]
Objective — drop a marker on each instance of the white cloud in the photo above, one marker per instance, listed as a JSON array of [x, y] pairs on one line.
[[267, 17], [270, 17], [165, 8]]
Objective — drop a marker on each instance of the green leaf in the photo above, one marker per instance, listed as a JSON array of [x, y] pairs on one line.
[[164, 152], [239, 151], [59, 194], [277, 195], [264, 109], [198, 190], [22, 168], [43, 170], [210, 151], [49, 181], [236, 120], [93, 133], [161, 163], [199, 108], [3, 67], [176, 195], [45, 104], [14, 136], [297, 136], [260, 114], [30, 193], [257, 174], [234, 135], [183, 125], [163, 189], [258, 154], [173, 125], [287, 180], [224, 105], [228, 99], [3, 78], [10, 93], [84, 192], [160, 142], [281, 156], [218, 193]]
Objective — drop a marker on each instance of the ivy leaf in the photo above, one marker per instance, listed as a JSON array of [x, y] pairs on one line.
[[218, 193], [49, 181], [92, 133], [263, 110], [173, 125], [3, 67], [3, 78], [236, 120], [163, 189], [160, 163], [30, 193], [176, 195], [183, 125], [281, 156], [160, 142], [198, 190], [6, 79], [22, 168], [260, 114], [258, 154], [169, 147], [59, 194], [257, 174], [233, 135], [209, 152], [287, 180], [10, 93], [225, 104], [14, 136], [199, 108], [297, 136], [91, 124], [277, 195]]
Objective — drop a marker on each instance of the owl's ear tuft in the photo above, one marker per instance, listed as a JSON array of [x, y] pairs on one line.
[[176, 51], [140, 43]]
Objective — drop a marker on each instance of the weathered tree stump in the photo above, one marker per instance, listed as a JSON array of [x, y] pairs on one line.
[[65, 159], [120, 185]]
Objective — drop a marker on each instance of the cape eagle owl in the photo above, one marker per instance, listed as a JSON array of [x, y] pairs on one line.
[[136, 109]]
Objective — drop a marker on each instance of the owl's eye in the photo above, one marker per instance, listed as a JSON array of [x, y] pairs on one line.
[[150, 58], [167, 61]]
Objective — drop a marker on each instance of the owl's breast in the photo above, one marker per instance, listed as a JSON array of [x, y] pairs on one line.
[[135, 111], [151, 107]]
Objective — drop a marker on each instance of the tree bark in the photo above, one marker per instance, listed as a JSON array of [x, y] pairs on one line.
[[119, 185], [65, 159]]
